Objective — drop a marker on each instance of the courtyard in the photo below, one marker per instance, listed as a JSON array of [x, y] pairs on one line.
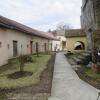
[[34, 86]]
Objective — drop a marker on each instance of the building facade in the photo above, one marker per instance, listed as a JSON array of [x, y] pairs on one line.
[[70, 40], [90, 22], [76, 40], [90, 19], [60, 43], [17, 39]]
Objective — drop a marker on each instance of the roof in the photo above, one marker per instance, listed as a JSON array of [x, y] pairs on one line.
[[75, 33], [58, 33], [11, 24]]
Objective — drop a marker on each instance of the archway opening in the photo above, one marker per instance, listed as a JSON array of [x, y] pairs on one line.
[[79, 45]]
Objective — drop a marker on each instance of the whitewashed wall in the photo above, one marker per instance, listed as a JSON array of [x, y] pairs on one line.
[[6, 38]]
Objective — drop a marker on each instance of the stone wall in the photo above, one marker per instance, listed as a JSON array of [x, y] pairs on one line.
[[87, 17], [90, 22], [90, 19], [97, 13]]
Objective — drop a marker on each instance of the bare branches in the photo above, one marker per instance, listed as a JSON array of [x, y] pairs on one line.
[[63, 26]]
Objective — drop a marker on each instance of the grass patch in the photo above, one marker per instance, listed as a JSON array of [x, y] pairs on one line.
[[89, 72], [2, 97], [88, 75], [36, 68]]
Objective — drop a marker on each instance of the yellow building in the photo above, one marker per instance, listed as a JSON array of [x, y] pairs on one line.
[[76, 40]]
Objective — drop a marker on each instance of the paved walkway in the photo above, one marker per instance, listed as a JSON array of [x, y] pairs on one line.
[[67, 85]]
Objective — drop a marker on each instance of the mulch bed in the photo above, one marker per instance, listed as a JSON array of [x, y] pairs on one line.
[[44, 85], [83, 76]]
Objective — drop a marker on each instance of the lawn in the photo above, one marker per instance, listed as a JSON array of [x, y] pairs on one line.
[[2, 97], [89, 75], [89, 72], [37, 67]]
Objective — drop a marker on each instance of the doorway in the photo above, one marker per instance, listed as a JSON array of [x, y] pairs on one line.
[[63, 45], [31, 47], [45, 47], [15, 48]]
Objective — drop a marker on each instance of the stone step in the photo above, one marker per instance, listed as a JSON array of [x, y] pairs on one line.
[[82, 60], [86, 53], [77, 60], [81, 57]]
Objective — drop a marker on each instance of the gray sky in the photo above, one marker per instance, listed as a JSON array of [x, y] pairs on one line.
[[42, 14]]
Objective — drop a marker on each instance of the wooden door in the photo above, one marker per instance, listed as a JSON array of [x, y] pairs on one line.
[[15, 48], [45, 47], [31, 47]]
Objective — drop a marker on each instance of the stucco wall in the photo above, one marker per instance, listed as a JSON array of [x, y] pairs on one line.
[[3, 48], [22, 39], [41, 44], [6, 38], [72, 40]]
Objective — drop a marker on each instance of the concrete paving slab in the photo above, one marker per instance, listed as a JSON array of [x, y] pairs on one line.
[[67, 85]]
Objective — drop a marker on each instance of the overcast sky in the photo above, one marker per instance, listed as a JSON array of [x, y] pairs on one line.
[[42, 14]]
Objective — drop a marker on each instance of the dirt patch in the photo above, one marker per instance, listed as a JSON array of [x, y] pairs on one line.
[[81, 73], [37, 91], [19, 74]]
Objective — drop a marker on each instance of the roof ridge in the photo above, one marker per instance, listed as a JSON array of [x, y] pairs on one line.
[[12, 24]]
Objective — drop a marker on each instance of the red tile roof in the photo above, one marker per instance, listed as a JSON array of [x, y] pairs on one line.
[[11, 24]]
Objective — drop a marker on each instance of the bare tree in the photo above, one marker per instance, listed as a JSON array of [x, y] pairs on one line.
[[63, 26], [49, 30]]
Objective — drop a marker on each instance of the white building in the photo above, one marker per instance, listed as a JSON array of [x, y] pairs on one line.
[[60, 44], [17, 39]]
